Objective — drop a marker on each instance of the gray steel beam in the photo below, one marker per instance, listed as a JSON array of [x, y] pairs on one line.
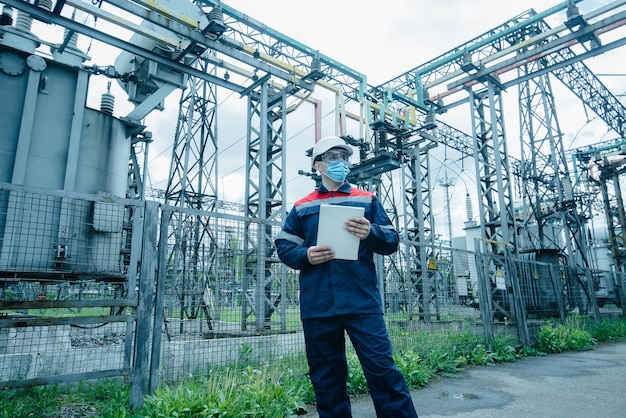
[[262, 38], [50, 17]]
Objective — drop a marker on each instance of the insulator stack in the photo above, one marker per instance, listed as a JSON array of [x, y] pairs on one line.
[[316, 64], [572, 11], [107, 102], [73, 43], [468, 207], [24, 21], [6, 18], [216, 15]]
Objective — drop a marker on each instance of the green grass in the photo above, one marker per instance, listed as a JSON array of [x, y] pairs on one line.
[[254, 392], [580, 334], [292, 317], [104, 398], [282, 388]]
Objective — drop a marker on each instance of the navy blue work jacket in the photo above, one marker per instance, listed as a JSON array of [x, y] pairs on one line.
[[337, 287]]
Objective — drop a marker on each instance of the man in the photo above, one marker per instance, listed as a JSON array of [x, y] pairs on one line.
[[342, 296]]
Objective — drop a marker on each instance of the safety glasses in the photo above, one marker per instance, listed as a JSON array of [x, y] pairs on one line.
[[334, 155]]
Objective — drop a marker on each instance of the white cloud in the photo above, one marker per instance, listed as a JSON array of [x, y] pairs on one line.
[[233, 188]]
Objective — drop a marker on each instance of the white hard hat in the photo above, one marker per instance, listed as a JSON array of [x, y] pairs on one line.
[[325, 144]]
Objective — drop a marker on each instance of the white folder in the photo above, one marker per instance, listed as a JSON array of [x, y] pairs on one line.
[[331, 230]]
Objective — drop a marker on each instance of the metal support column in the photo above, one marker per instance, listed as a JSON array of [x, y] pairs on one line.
[[264, 283], [193, 184]]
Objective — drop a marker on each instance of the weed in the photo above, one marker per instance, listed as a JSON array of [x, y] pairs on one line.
[[503, 349], [607, 331], [417, 373], [356, 378], [481, 356], [558, 338]]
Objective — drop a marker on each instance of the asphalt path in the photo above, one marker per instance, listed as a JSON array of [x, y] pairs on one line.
[[569, 385]]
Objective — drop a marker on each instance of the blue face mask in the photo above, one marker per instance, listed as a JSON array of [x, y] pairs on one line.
[[337, 170]]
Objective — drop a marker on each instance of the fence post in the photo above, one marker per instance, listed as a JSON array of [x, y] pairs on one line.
[[554, 272], [157, 330], [518, 303], [622, 290], [591, 295], [144, 307], [485, 297]]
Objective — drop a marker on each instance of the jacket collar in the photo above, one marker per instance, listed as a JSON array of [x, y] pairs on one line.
[[344, 188]]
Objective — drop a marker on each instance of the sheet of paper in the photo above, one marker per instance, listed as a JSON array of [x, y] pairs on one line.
[[331, 231]]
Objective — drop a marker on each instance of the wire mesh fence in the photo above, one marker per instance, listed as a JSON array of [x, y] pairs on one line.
[[223, 302], [215, 294], [67, 299]]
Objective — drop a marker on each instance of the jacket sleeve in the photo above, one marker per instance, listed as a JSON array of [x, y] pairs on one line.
[[290, 243], [383, 238]]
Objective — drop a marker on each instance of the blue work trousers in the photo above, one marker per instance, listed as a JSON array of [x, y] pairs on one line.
[[328, 369]]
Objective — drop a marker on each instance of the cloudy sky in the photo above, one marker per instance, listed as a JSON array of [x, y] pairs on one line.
[[385, 39], [381, 40]]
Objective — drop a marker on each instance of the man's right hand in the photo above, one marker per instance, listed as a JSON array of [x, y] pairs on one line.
[[319, 254]]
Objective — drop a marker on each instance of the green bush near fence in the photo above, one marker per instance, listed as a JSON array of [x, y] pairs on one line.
[[580, 334], [282, 389]]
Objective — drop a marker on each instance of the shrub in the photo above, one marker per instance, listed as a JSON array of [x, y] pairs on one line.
[[503, 349], [609, 330], [482, 356], [441, 361], [556, 339], [417, 373]]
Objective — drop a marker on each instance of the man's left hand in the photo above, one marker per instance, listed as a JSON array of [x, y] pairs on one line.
[[358, 226]]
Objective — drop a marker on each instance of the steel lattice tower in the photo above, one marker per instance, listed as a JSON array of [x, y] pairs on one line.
[[192, 184], [492, 170], [264, 283]]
